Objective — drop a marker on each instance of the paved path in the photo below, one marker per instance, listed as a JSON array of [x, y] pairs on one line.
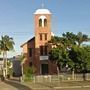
[[12, 85], [4, 86]]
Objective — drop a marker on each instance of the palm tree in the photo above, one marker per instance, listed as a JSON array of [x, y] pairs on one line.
[[81, 38], [6, 44]]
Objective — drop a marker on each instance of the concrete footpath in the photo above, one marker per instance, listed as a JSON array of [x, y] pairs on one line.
[[4, 86], [12, 85]]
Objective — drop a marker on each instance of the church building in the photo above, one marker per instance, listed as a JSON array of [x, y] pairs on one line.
[[36, 50]]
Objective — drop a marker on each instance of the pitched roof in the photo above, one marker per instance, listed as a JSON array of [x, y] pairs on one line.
[[28, 41]]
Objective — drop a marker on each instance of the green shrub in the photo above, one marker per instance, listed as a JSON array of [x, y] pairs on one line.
[[28, 73]]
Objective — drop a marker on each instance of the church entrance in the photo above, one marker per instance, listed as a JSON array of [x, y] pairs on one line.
[[44, 69]]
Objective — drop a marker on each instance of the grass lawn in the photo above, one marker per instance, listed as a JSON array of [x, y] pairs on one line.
[[79, 85]]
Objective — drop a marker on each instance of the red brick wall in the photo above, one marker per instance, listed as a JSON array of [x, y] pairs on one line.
[[36, 43]]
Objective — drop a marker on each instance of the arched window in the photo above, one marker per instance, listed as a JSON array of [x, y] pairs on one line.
[[45, 22], [40, 22]]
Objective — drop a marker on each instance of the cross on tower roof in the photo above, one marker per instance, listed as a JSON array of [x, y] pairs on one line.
[[42, 3], [42, 10]]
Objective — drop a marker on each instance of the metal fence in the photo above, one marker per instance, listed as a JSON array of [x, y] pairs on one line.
[[60, 77]]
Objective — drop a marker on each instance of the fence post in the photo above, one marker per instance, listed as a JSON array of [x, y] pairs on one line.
[[50, 78], [34, 79]]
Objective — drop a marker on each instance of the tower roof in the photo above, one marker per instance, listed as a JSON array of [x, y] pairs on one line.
[[42, 11]]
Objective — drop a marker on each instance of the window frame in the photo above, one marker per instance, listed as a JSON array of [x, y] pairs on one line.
[[46, 50], [45, 22], [45, 36], [40, 37], [30, 52], [41, 50], [40, 22]]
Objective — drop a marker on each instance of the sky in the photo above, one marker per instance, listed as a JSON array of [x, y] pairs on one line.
[[17, 18]]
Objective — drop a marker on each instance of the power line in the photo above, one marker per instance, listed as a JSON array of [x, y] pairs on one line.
[[16, 33]]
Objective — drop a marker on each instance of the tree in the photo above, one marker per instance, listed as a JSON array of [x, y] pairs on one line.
[[70, 37], [81, 38], [75, 62], [62, 45], [76, 39], [80, 56], [87, 48], [86, 60], [9, 68], [6, 44], [59, 56], [67, 51]]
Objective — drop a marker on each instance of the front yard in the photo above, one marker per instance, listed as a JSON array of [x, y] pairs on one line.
[[69, 85]]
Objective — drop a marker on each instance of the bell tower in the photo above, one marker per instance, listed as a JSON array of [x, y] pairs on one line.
[[42, 36], [42, 27]]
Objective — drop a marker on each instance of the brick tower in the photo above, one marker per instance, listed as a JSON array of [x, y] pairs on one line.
[[42, 36]]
